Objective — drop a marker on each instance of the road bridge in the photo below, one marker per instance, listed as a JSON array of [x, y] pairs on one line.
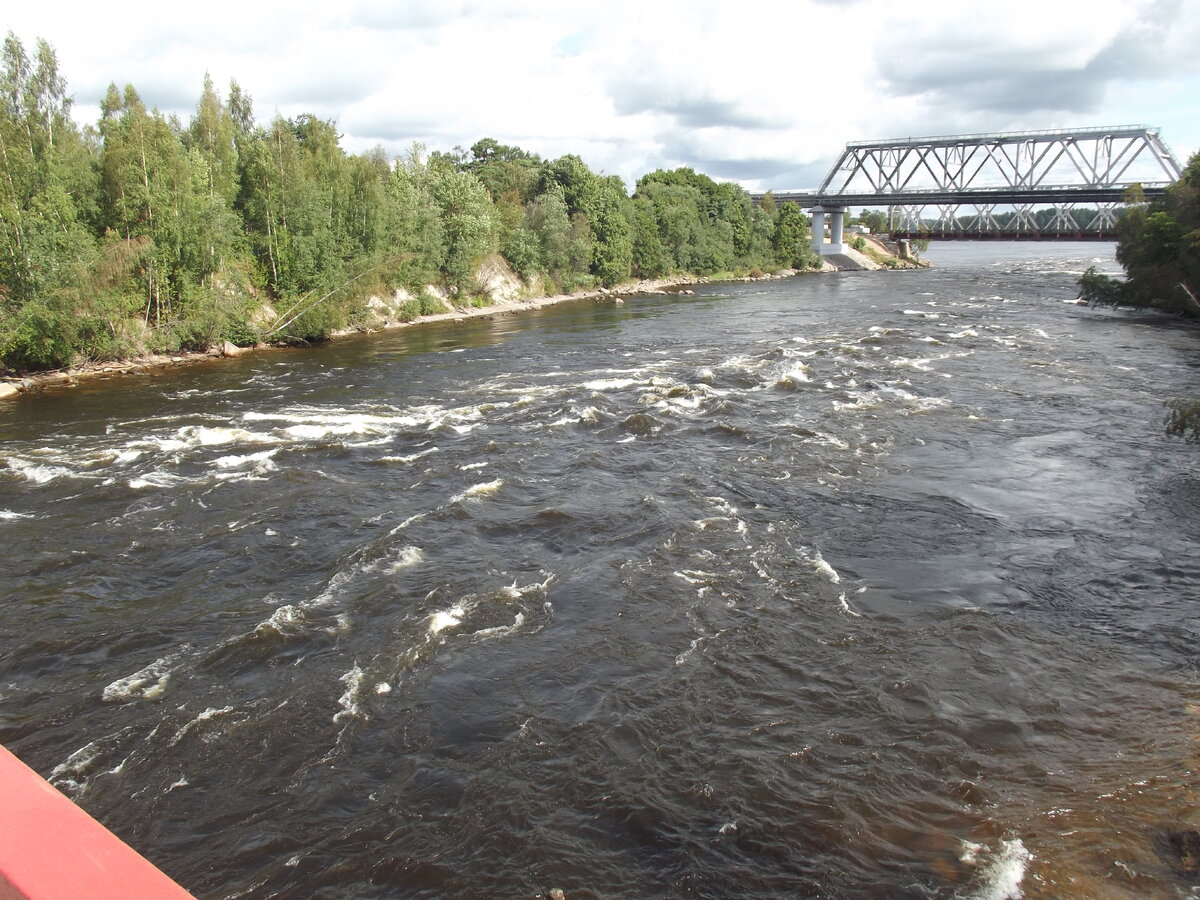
[[1078, 178]]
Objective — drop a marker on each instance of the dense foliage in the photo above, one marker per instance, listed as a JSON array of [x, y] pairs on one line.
[[144, 233], [1159, 248]]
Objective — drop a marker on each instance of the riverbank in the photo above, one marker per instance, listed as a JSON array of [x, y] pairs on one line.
[[12, 386], [506, 300]]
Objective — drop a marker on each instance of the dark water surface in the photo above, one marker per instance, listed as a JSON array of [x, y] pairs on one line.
[[870, 585]]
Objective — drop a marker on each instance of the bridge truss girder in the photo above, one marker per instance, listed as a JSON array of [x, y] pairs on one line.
[[1100, 159], [1017, 222]]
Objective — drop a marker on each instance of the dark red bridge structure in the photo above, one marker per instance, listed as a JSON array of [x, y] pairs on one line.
[[1028, 185]]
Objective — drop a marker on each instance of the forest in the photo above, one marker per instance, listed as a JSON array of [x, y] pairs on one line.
[[143, 233]]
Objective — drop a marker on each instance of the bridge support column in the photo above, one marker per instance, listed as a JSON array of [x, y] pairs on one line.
[[835, 231], [836, 216]]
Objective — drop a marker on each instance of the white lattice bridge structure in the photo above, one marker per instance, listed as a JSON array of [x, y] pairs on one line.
[[1029, 185]]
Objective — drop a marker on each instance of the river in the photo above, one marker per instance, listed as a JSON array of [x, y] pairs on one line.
[[865, 585]]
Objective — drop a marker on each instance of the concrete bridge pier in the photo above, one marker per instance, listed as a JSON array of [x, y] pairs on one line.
[[836, 216]]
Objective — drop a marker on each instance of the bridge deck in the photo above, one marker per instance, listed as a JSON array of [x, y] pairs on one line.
[[1041, 235], [988, 197]]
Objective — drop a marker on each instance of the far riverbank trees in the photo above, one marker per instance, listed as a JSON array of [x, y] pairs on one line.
[[146, 234]]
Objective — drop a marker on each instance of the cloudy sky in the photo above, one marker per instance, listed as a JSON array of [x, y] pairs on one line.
[[763, 93]]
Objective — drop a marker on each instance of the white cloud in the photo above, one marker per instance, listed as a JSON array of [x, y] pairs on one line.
[[760, 92]]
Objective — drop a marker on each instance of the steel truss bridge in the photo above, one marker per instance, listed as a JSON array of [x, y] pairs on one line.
[[1031, 185]]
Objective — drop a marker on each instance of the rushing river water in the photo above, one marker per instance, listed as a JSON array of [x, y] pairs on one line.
[[868, 585]]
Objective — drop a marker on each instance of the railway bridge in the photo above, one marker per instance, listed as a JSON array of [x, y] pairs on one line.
[[1028, 185]]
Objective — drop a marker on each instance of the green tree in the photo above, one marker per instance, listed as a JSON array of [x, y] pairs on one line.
[[48, 176], [875, 220], [650, 259], [792, 238], [1159, 245], [468, 223]]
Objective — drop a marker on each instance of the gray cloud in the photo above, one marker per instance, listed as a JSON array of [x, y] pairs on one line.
[[646, 90], [786, 171], [390, 129], [974, 74], [1144, 49], [338, 88]]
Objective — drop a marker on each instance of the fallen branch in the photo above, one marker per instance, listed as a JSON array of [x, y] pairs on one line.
[[283, 321], [1191, 297]]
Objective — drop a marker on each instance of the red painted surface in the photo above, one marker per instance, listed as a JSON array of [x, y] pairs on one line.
[[50, 849]]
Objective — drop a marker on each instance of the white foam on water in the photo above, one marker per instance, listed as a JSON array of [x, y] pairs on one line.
[[9, 515], [823, 567], [796, 373], [210, 713], [37, 473], [115, 457], [477, 491], [248, 459], [501, 630], [148, 683], [412, 457], [845, 605], [311, 432], [860, 401], [416, 517], [695, 576], [404, 558], [611, 384], [190, 437], [588, 415], [349, 700], [66, 774], [686, 654], [827, 440], [182, 782], [682, 402], [156, 480], [283, 619], [344, 420], [469, 467], [1003, 873], [447, 618]]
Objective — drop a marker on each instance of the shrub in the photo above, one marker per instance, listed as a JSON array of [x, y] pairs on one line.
[[1102, 290], [1183, 420]]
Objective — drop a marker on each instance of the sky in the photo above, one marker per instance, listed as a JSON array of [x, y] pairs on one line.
[[762, 93]]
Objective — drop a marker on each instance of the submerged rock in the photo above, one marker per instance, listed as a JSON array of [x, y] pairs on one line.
[[1181, 851]]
